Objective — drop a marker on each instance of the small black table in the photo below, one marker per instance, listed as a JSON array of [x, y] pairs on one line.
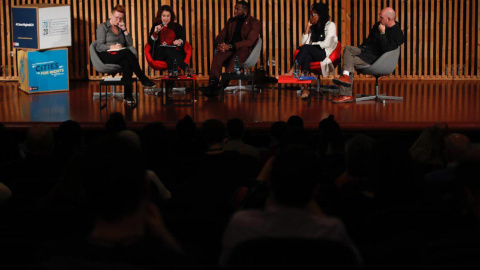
[[236, 76], [178, 102], [105, 83]]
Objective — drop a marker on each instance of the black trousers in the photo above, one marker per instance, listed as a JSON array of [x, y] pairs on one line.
[[168, 55], [308, 54], [129, 63]]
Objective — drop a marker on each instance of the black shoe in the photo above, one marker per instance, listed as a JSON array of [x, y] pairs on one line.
[[129, 100], [149, 84], [211, 91]]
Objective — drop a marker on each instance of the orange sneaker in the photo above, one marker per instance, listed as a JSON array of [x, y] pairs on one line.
[[343, 80], [343, 99]]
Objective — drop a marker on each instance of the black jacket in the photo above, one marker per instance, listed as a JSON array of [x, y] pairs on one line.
[[177, 28], [377, 44]]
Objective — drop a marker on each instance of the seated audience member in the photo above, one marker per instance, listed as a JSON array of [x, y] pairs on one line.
[[158, 191], [276, 132], [358, 154], [456, 146], [69, 138], [458, 245], [165, 31], [291, 211], [428, 151], [318, 41], [221, 172], [384, 36], [235, 131], [32, 178], [113, 35], [128, 231], [115, 123], [184, 150], [331, 147], [440, 184], [237, 38], [295, 121]]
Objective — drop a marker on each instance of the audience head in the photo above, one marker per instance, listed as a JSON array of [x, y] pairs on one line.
[[213, 132], [165, 14], [456, 145], [331, 137], [293, 177], [358, 155], [115, 123], [117, 15], [235, 128], [429, 148], [113, 191], [241, 9], [70, 134], [39, 140], [296, 137], [387, 17], [277, 129], [443, 127], [186, 129], [295, 121]]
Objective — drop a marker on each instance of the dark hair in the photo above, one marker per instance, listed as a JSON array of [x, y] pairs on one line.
[[295, 121], [235, 127], [119, 8], [293, 179], [323, 17], [213, 131], [331, 138], [245, 5], [185, 129], [158, 18], [115, 123]]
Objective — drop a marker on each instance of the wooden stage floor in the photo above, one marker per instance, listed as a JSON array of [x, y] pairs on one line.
[[425, 102]]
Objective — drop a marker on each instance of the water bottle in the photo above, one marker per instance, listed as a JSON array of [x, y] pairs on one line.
[[175, 68], [295, 69], [236, 66]]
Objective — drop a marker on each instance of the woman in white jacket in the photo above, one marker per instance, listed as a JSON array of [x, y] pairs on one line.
[[318, 42]]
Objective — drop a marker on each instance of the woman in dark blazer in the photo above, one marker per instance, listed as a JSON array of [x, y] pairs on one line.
[[164, 34]]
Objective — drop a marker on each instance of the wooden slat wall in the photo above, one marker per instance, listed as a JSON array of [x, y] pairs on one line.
[[442, 36]]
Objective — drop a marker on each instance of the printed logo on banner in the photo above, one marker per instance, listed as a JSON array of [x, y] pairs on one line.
[[48, 70], [24, 28], [55, 27]]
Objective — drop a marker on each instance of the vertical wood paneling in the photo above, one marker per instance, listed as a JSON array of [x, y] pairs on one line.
[[442, 35]]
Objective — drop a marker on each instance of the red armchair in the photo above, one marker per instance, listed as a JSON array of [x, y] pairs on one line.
[[316, 68], [162, 65]]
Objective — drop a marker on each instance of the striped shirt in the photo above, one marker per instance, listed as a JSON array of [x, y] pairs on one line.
[[106, 37]]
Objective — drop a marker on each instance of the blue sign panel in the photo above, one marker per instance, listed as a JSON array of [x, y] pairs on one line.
[[48, 70], [25, 27]]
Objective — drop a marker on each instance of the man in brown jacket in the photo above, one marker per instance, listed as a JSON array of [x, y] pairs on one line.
[[236, 39]]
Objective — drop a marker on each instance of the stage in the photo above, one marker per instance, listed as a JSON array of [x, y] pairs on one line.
[[425, 103]]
